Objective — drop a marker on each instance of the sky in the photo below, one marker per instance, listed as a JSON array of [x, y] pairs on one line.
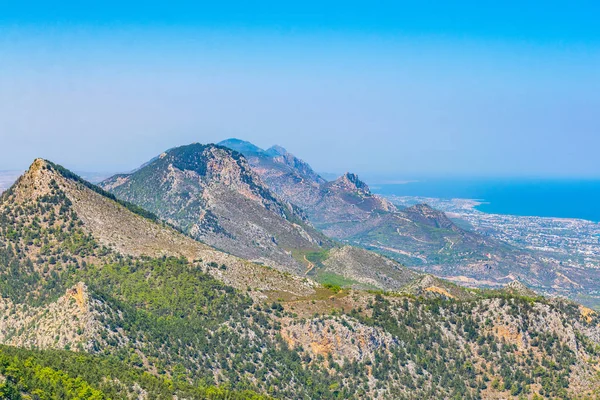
[[402, 89]]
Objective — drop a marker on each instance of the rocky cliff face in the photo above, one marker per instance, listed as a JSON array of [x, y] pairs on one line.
[[350, 183], [288, 176]]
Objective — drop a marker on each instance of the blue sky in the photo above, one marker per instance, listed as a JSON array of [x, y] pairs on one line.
[[402, 89]]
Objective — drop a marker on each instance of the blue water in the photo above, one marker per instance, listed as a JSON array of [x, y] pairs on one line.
[[524, 197]]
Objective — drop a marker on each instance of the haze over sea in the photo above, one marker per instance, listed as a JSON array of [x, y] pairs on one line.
[[562, 198]]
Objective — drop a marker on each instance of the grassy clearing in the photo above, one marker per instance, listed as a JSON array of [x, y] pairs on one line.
[[329, 278], [309, 256]]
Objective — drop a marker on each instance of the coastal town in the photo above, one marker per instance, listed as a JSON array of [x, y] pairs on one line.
[[575, 242]]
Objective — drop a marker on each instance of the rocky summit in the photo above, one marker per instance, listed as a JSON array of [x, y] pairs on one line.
[[288, 176]]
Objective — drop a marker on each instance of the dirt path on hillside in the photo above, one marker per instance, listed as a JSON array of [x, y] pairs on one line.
[[311, 266]]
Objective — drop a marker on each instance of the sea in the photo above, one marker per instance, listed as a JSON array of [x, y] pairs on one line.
[[560, 198]]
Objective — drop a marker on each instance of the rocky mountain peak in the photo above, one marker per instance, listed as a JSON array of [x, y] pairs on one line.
[[213, 165], [36, 181], [275, 162], [38, 169], [351, 182], [519, 288], [37, 164], [211, 193]]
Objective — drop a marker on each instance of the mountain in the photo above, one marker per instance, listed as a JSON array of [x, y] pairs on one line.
[[211, 193], [65, 214], [425, 215], [419, 236], [335, 207], [279, 158], [287, 175], [242, 146], [100, 299], [82, 271], [346, 207]]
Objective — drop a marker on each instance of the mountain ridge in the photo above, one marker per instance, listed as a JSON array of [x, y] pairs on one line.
[[419, 236]]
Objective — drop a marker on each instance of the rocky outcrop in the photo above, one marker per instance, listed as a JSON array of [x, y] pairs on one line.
[[424, 214], [519, 289], [350, 183], [74, 322], [429, 286], [341, 338]]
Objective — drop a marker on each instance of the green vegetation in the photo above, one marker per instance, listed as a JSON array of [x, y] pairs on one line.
[[418, 325], [317, 257], [332, 279], [57, 375], [178, 320], [310, 257], [333, 288]]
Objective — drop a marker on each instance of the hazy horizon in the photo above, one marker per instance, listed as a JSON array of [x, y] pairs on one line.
[[389, 89]]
